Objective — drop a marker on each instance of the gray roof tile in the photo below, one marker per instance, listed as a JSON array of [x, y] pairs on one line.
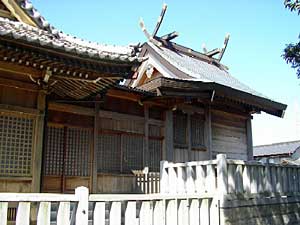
[[276, 148], [67, 43], [198, 70]]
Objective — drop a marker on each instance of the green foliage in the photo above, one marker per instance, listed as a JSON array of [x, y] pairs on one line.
[[292, 56], [291, 53], [293, 5]]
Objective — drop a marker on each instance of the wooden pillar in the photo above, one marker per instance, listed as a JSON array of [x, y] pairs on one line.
[[95, 147], [38, 143], [207, 130], [249, 139], [189, 137], [169, 140], [146, 141]]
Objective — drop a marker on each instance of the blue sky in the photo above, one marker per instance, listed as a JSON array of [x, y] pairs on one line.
[[259, 31]]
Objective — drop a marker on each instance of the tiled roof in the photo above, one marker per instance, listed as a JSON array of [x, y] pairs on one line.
[[36, 16], [276, 148], [199, 70], [32, 35], [46, 35]]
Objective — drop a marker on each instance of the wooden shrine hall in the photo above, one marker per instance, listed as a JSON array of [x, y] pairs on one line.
[[66, 120]]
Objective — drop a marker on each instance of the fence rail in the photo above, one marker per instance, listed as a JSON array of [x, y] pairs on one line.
[[147, 182], [115, 209], [190, 177], [191, 193], [229, 177]]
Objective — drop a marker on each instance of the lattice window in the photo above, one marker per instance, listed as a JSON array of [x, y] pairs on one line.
[[132, 152], [197, 131], [78, 152], [16, 143], [109, 153], [180, 129], [68, 151], [155, 148], [155, 154], [54, 151]]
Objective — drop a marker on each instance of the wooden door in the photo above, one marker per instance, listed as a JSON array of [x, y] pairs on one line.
[[67, 158]]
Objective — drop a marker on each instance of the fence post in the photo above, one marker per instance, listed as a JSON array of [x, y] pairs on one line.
[[164, 179], [222, 175], [82, 194]]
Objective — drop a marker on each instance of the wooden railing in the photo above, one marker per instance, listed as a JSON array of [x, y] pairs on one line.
[[262, 178], [190, 177], [156, 209], [116, 209], [28, 202], [147, 182], [229, 177], [191, 193]]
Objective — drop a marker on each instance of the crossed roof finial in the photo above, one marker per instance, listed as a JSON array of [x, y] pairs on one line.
[[166, 39]]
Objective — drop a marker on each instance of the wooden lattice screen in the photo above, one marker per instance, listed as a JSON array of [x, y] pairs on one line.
[[16, 144], [68, 151], [155, 147], [109, 153], [180, 129], [120, 145], [132, 152], [78, 152], [197, 131], [54, 151]]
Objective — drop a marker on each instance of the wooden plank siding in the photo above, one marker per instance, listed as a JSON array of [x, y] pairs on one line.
[[229, 135], [190, 136]]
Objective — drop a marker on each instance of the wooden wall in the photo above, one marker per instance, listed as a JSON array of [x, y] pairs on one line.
[[229, 135], [68, 152], [190, 136], [21, 128], [116, 183], [124, 136]]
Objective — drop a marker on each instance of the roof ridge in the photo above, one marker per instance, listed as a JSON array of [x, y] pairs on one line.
[[43, 24], [277, 143]]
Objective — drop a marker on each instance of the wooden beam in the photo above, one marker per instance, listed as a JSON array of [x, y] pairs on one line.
[[249, 139], [170, 36], [6, 14], [22, 70], [71, 109], [123, 95], [213, 52], [18, 13], [160, 19], [146, 137], [95, 148], [169, 139], [123, 116], [189, 137], [19, 85], [19, 110], [38, 146], [208, 130]]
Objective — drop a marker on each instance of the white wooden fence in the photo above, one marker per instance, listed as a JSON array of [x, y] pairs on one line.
[[147, 182], [190, 195], [229, 177], [132, 209]]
